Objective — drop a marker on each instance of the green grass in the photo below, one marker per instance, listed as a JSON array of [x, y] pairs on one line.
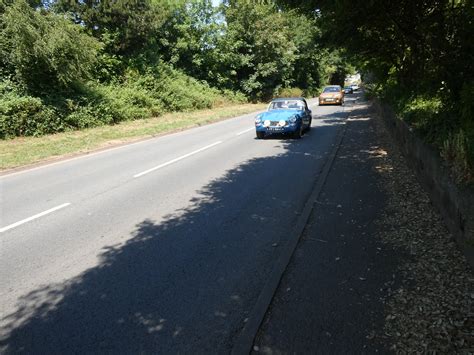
[[25, 151]]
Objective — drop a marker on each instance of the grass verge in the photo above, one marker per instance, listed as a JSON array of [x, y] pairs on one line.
[[25, 151]]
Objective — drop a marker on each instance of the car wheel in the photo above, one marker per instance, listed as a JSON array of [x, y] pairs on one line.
[[299, 132], [309, 125], [260, 135]]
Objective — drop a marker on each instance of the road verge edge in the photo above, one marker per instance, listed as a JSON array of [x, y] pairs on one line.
[[244, 342]]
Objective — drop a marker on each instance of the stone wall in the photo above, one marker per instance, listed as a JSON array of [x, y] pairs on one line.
[[455, 203]]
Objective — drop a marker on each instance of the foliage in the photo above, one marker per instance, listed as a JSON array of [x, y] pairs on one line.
[[25, 115], [188, 38], [137, 96], [290, 92], [131, 25], [78, 64], [418, 55], [44, 51], [265, 49], [420, 110]]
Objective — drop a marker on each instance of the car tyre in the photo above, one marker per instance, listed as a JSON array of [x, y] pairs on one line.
[[260, 135], [309, 125], [299, 132]]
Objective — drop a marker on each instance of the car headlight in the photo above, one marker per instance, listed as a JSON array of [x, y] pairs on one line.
[[267, 123], [293, 119], [282, 123], [258, 119]]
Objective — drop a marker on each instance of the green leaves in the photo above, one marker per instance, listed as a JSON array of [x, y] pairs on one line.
[[86, 63], [264, 50], [43, 50]]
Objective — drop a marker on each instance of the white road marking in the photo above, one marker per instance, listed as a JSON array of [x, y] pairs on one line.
[[176, 159], [247, 130], [29, 219]]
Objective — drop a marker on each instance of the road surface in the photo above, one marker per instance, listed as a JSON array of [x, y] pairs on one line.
[[158, 246]]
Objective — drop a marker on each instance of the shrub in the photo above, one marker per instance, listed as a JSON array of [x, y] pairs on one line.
[[26, 116], [110, 104], [446, 124], [290, 92], [179, 92], [90, 105]]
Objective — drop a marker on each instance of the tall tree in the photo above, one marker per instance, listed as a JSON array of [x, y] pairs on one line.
[[131, 26], [44, 51]]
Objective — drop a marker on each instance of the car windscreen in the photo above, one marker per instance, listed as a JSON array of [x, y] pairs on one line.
[[286, 105], [331, 89]]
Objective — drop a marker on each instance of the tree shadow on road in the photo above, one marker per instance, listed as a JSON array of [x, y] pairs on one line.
[[185, 284]]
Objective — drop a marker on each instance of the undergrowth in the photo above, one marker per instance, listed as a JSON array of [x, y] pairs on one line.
[[447, 125]]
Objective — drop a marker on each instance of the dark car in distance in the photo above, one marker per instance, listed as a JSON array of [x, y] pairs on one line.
[[348, 90]]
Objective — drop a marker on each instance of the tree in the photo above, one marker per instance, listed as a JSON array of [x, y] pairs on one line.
[[255, 55], [44, 51], [188, 37], [131, 26], [422, 43]]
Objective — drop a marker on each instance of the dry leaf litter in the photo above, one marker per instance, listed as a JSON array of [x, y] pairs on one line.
[[430, 310]]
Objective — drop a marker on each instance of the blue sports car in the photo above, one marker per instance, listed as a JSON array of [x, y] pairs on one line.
[[284, 115]]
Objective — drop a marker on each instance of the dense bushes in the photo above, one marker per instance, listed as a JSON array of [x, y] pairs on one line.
[[290, 92], [44, 51], [92, 104], [26, 115], [446, 125]]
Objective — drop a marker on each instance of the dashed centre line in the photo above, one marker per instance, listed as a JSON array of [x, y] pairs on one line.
[[29, 219], [176, 159]]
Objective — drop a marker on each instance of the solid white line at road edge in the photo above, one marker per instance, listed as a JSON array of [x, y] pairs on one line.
[[247, 130], [29, 219], [176, 159]]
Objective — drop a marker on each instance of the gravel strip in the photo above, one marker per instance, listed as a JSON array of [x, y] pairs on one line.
[[431, 309]]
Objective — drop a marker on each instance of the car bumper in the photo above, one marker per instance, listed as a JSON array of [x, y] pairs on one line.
[[330, 101], [278, 129]]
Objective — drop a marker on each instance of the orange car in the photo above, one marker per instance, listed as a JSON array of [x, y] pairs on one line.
[[332, 94]]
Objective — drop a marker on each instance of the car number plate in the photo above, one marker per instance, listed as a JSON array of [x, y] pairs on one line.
[[329, 99], [275, 128]]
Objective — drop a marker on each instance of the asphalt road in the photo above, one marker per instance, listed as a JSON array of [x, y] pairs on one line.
[[159, 246]]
